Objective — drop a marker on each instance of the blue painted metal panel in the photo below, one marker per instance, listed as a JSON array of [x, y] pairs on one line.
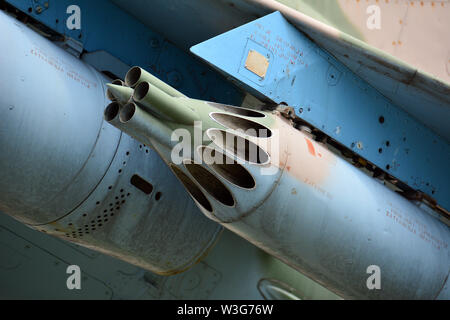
[[106, 27], [335, 100]]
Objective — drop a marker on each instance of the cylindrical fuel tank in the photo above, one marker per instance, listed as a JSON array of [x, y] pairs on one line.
[[67, 172]]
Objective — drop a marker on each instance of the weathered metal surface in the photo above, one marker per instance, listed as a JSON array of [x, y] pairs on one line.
[[68, 173], [106, 29], [33, 266], [336, 101], [308, 207], [408, 74]]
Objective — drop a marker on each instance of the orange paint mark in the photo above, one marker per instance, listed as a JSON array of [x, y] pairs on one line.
[[387, 1], [311, 149], [393, 43], [320, 155], [421, 3], [288, 168], [400, 21], [432, 4]]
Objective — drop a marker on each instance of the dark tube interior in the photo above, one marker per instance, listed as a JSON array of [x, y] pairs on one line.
[[133, 76], [127, 112], [141, 91], [111, 111]]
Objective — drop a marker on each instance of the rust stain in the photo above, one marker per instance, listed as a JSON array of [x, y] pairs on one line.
[[311, 149]]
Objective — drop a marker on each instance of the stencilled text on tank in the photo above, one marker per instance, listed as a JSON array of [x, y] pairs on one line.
[[416, 227], [62, 67]]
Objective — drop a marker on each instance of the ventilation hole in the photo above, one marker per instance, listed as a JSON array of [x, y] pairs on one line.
[[105, 211], [100, 225], [122, 196], [111, 204], [110, 187], [388, 143], [112, 209], [97, 203], [112, 214], [85, 215], [121, 190], [239, 146], [120, 170], [248, 127], [158, 196], [106, 220], [128, 153], [128, 194], [192, 188], [118, 208], [210, 183], [141, 184], [381, 119], [380, 150], [117, 198], [237, 110], [227, 168], [123, 201], [388, 167]]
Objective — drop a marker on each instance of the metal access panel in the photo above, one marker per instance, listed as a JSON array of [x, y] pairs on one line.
[[278, 63]]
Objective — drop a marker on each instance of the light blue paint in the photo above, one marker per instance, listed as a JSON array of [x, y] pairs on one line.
[[332, 98], [106, 27]]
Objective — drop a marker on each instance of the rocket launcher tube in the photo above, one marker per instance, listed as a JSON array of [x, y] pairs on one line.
[[156, 100], [109, 94], [138, 123], [120, 93], [138, 75]]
